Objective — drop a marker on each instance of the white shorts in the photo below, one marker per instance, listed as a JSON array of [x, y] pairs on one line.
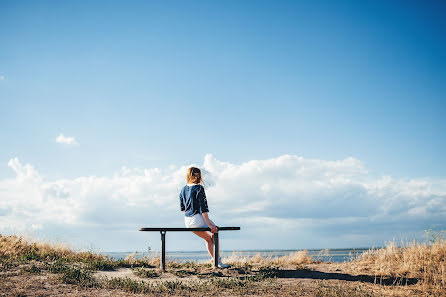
[[196, 221]]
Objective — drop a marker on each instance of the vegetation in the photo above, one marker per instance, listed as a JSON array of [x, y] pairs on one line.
[[425, 262], [147, 273], [326, 290], [294, 258], [414, 269]]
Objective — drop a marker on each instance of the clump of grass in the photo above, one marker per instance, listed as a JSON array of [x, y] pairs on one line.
[[147, 273], [7, 263], [33, 269], [131, 261], [126, 284], [294, 258], [324, 289], [268, 272], [159, 288], [423, 261], [172, 286], [182, 273], [142, 262], [72, 274], [184, 265], [103, 264]]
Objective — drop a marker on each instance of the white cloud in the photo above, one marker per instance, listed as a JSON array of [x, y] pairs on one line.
[[283, 202], [2, 77], [66, 140]]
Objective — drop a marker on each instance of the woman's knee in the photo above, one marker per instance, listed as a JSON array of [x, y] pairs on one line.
[[207, 236], [210, 239]]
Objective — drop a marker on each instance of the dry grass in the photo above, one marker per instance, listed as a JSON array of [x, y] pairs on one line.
[[328, 290], [17, 247], [424, 261], [294, 258], [20, 248], [253, 275]]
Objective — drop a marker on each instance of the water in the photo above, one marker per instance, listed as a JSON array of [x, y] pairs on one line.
[[327, 255]]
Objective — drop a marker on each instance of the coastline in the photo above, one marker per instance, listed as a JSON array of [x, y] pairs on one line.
[[326, 255]]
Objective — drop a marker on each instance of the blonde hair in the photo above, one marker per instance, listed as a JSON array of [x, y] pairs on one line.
[[194, 176]]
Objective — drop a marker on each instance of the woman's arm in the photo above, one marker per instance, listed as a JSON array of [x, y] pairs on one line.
[[182, 208], [214, 228], [205, 210], [202, 201]]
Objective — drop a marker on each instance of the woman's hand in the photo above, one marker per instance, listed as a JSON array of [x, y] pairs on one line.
[[214, 228]]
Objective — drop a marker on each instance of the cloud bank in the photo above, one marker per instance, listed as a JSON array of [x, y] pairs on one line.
[[283, 202], [66, 140]]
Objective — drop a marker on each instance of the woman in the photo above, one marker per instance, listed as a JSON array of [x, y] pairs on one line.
[[194, 205]]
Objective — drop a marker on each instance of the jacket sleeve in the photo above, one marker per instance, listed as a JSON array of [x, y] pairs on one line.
[[202, 202], [181, 201]]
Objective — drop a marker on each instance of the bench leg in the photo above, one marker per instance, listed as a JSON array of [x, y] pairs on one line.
[[163, 251], [216, 256]]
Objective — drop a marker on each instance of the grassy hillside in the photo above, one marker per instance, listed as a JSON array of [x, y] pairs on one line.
[[411, 269]]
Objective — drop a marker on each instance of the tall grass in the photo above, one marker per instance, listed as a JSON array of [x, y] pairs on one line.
[[424, 261], [20, 249], [294, 258]]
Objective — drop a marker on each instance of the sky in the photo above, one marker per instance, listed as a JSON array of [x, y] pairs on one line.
[[320, 124]]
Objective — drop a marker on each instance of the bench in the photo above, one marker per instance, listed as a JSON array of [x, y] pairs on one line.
[[163, 240]]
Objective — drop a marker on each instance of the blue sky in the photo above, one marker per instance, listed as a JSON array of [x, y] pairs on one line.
[[146, 84]]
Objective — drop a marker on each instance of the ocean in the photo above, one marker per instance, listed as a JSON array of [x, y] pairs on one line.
[[327, 255]]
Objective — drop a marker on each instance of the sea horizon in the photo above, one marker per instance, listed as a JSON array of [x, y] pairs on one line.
[[325, 255]]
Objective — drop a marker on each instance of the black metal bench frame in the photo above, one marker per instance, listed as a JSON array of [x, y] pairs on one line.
[[163, 240]]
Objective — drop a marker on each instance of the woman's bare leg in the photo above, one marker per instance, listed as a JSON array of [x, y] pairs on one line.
[[209, 241]]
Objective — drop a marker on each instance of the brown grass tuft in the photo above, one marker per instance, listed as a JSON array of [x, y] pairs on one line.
[[426, 262], [19, 247], [294, 258]]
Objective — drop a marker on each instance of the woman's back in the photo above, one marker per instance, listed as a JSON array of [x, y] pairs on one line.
[[193, 200]]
